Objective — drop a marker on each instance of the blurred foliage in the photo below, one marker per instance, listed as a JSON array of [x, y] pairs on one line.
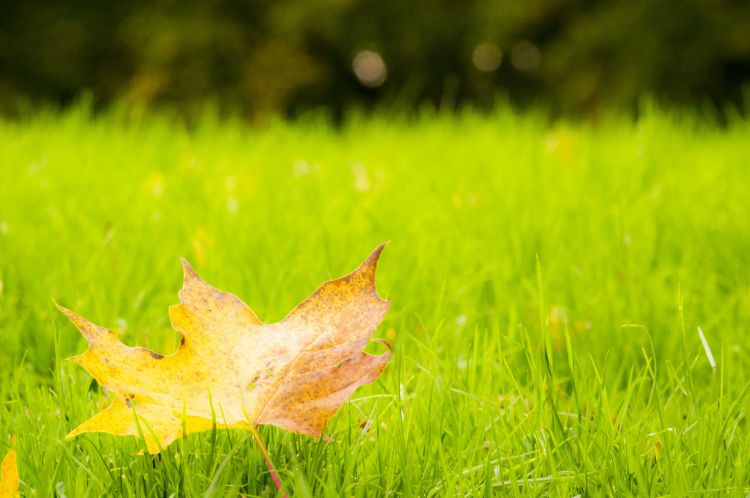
[[255, 57]]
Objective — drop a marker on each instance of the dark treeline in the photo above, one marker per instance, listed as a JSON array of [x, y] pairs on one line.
[[255, 57]]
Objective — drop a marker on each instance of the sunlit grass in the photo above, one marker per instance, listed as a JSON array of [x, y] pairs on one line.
[[547, 284]]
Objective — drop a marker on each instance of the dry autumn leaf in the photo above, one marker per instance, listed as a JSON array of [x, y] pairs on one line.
[[9, 474], [235, 370]]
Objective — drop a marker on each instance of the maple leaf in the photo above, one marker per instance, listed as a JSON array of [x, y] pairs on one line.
[[236, 371], [9, 473]]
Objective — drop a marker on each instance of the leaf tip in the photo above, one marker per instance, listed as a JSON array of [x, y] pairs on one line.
[[189, 276], [89, 330], [384, 342], [62, 309], [187, 268], [75, 359], [379, 249], [74, 317], [371, 263]]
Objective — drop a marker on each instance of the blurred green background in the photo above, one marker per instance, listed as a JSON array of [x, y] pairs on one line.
[[253, 57], [548, 276]]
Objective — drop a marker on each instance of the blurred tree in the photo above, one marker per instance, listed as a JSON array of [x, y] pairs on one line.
[[261, 56]]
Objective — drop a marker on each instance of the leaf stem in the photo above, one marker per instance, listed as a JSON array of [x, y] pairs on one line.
[[269, 463]]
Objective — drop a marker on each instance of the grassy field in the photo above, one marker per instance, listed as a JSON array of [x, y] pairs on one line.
[[547, 283]]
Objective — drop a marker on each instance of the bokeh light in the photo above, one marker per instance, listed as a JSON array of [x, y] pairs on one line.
[[369, 68], [525, 56], [487, 57]]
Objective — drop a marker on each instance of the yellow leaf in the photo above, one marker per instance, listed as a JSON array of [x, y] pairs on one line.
[[235, 370], [9, 474]]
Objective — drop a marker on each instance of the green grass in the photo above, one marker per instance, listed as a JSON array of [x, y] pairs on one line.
[[547, 283]]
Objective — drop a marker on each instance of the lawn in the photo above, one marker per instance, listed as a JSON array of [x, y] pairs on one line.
[[547, 284]]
